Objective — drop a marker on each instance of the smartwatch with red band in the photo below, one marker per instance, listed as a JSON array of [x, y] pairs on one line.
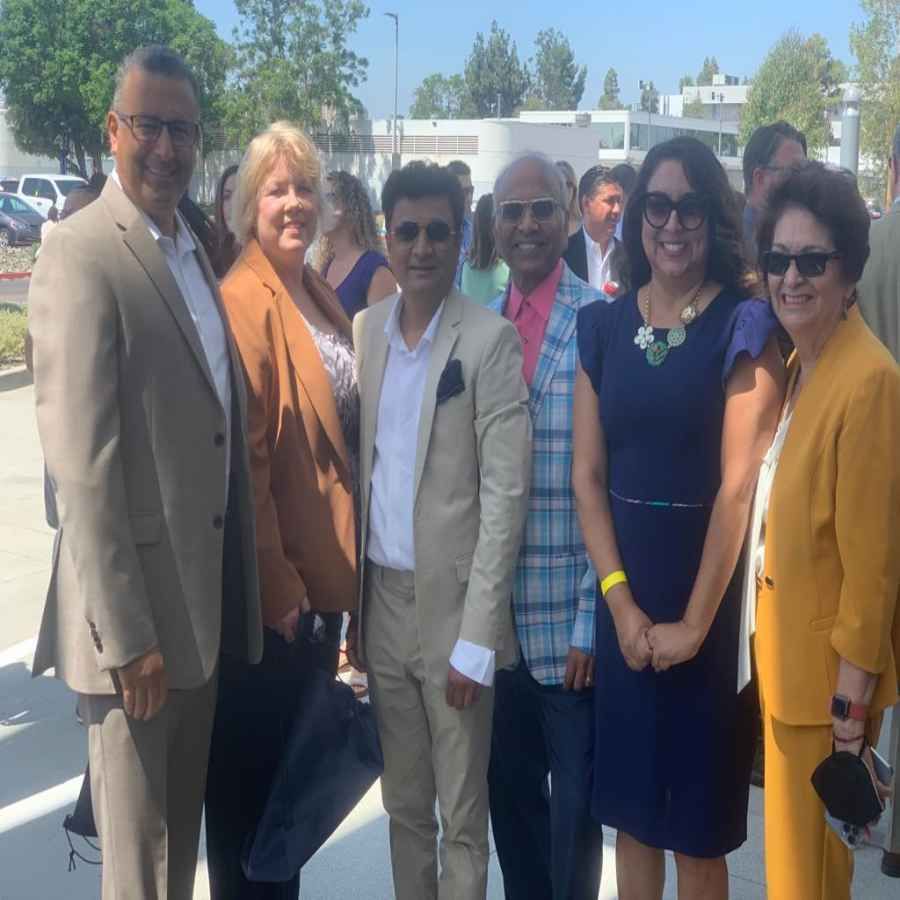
[[844, 708]]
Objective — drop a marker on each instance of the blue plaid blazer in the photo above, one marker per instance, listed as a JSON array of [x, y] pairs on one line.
[[553, 610]]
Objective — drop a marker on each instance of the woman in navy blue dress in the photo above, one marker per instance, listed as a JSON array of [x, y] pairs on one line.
[[676, 402]]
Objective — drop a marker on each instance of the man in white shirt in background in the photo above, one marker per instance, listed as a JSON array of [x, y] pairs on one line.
[[593, 253], [445, 461]]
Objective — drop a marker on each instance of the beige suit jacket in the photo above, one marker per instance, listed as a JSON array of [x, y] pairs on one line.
[[879, 289], [473, 464], [133, 434]]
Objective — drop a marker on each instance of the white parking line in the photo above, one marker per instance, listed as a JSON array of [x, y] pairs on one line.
[[17, 652], [38, 805]]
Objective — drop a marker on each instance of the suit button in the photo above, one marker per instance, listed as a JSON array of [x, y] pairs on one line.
[[218, 522], [219, 439]]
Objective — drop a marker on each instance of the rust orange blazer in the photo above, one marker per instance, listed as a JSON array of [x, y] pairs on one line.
[[832, 563], [303, 491]]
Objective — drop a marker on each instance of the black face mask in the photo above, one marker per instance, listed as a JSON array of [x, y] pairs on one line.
[[845, 786]]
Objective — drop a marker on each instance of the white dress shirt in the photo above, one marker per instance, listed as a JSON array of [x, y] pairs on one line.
[[391, 541], [181, 258], [598, 262]]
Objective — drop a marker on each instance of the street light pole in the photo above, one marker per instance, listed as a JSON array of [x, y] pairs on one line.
[[395, 160]]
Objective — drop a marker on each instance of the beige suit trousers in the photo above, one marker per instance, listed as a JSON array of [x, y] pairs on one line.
[[147, 786], [431, 751]]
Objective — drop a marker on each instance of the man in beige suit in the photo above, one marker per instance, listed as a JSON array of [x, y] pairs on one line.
[[141, 414], [445, 462], [879, 302]]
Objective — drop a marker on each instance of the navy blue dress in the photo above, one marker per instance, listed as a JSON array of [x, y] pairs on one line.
[[353, 291], [673, 750]]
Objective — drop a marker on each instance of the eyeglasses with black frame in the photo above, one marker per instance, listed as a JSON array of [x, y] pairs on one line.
[[147, 129], [691, 210], [512, 211], [437, 231], [810, 264]]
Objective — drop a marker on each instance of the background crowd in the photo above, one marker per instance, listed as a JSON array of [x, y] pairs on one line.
[[556, 471]]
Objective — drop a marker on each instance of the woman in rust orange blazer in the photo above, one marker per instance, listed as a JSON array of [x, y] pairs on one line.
[[828, 625], [295, 344]]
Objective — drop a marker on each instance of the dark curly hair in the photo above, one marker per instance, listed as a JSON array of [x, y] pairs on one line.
[[483, 251], [419, 179], [832, 197], [725, 262]]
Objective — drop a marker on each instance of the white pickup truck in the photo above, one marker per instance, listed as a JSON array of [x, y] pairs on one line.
[[43, 191]]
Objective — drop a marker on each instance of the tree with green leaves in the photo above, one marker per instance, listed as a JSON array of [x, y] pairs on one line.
[[493, 71], [798, 82], [694, 108], [685, 81], [876, 44], [293, 62], [440, 97], [649, 97], [610, 98], [557, 80], [58, 60], [710, 68]]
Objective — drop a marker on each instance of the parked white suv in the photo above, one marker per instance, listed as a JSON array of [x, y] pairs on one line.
[[44, 191]]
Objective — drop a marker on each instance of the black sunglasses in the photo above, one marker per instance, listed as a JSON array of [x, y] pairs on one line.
[[542, 209], [691, 210], [147, 129], [436, 231], [809, 265]]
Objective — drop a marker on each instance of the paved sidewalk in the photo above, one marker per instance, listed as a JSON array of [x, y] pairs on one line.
[[43, 749]]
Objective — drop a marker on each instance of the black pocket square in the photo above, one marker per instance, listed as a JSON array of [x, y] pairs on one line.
[[451, 381]]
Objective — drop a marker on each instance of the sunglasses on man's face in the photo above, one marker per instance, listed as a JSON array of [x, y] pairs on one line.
[[809, 265], [690, 209], [512, 211], [437, 231]]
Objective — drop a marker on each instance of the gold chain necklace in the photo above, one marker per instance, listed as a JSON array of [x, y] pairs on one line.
[[657, 351]]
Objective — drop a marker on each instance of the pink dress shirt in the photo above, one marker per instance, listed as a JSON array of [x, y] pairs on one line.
[[530, 316]]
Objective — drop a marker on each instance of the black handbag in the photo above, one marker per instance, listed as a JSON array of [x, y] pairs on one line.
[[845, 785], [80, 822], [331, 759]]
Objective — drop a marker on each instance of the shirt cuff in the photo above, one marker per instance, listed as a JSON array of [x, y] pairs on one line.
[[474, 661]]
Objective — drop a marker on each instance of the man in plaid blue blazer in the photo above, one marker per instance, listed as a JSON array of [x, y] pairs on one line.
[[547, 843]]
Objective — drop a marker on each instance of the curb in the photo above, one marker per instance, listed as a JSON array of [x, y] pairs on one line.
[[10, 276]]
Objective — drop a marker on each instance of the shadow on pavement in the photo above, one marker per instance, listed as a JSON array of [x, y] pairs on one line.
[[12, 381]]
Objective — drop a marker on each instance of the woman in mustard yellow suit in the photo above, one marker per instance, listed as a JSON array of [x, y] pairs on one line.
[[827, 623]]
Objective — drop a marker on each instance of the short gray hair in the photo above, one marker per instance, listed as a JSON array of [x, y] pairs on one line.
[[555, 179], [154, 60], [895, 145]]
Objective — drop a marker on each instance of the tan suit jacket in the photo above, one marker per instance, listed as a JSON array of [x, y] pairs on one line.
[[473, 463], [879, 289], [133, 433], [832, 563], [302, 477]]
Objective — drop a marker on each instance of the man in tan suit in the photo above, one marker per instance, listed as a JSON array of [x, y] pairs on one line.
[[445, 461], [879, 302], [141, 414]]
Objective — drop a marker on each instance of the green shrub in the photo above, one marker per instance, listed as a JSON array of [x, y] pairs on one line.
[[13, 325]]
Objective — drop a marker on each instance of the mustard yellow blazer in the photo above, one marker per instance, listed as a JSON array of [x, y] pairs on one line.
[[832, 560]]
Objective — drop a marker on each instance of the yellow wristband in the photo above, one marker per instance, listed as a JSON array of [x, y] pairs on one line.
[[611, 581]]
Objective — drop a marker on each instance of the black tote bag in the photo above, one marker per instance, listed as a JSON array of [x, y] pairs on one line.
[[330, 761]]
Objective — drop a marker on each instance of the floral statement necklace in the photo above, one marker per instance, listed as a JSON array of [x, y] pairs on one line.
[[657, 351]]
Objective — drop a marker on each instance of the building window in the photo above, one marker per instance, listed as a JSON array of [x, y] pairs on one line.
[[639, 137], [611, 135]]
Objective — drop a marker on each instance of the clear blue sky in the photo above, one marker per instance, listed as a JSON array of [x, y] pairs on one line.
[[657, 40]]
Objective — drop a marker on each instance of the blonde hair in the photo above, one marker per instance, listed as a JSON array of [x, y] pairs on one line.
[[281, 141]]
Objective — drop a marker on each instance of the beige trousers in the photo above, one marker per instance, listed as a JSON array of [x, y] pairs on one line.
[[431, 751], [147, 786]]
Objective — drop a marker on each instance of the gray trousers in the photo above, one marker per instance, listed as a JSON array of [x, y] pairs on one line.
[[893, 844], [147, 786]]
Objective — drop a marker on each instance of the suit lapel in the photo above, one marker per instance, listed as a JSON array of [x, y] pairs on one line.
[[445, 341], [371, 378], [559, 330], [140, 242]]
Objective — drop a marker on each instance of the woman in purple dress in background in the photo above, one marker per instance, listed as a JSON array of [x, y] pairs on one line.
[[676, 399], [350, 253]]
